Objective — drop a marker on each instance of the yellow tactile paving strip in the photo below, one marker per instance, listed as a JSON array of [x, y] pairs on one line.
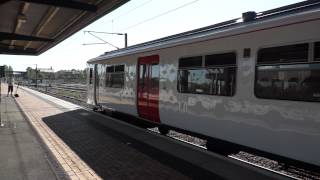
[[36, 109]]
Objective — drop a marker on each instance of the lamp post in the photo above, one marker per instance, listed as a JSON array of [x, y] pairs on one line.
[[125, 40], [36, 75]]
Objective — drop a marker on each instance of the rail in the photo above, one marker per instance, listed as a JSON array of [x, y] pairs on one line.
[[74, 92]]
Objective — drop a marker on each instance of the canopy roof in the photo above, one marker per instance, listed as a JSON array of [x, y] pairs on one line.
[[30, 27]]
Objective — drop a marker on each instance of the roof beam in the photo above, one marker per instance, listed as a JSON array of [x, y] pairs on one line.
[[4, 1], [66, 4], [51, 12], [13, 36], [21, 18], [18, 51]]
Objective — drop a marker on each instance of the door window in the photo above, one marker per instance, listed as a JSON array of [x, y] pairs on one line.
[[155, 75], [143, 75]]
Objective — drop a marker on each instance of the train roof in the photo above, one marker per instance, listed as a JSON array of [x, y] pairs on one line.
[[246, 19]]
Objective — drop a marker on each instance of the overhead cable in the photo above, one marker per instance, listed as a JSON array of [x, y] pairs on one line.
[[159, 15], [129, 11]]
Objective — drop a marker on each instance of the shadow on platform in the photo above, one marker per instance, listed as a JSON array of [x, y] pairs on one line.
[[112, 154]]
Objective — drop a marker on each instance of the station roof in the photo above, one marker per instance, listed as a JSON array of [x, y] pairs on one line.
[[30, 27]]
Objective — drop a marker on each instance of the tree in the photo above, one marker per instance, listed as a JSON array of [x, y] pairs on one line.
[[31, 73], [8, 71]]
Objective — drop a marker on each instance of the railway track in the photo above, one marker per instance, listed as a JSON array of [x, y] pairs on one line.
[[254, 160], [62, 91], [71, 92]]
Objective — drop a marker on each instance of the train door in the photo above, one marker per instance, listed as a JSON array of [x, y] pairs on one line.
[[90, 80], [148, 88], [92, 91], [96, 84]]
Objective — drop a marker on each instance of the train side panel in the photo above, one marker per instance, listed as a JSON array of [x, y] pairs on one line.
[[90, 84], [122, 99], [283, 127], [287, 128]]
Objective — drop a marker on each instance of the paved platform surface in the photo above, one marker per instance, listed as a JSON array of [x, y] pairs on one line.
[[83, 149], [21, 153]]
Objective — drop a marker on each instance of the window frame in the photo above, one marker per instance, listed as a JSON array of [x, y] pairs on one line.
[[90, 75], [185, 57], [109, 74], [204, 67], [310, 61], [282, 45], [314, 51]]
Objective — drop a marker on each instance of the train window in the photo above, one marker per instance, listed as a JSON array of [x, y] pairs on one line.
[[90, 75], [115, 76], [213, 81], [283, 54], [290, 82], [155, 75], [190, 62], [220, 59], [142, 75], [110, 69], [217, 78], [276, 79], [194, 81], [317, 51], [119, 68], [117, 80]]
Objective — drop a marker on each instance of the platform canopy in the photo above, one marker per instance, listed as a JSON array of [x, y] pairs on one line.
[[30, 27]]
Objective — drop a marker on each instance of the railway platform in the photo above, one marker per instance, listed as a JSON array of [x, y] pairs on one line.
[[74, 143], [21, 153]]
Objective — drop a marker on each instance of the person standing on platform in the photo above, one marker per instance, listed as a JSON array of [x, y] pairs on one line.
[[10, 86]]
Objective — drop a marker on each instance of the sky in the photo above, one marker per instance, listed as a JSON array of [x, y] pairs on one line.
[[142, 20]]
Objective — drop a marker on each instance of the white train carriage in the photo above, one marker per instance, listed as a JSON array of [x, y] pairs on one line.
[[253, 82]]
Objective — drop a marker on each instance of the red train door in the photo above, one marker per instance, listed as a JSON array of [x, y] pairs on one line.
[[148, 88]]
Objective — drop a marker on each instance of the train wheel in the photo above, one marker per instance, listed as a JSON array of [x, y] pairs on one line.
[[97, 108], [163, 130], [221, 147]]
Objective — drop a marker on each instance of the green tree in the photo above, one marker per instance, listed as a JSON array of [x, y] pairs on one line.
[[31, 73], [8, 71]]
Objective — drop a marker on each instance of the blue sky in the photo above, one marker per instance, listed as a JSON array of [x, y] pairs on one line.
[[143, 20]]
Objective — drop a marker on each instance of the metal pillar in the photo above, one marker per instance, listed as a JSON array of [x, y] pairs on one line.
[[36, 76], [125, 40]]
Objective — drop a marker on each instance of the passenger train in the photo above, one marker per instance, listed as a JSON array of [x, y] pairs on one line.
[[251, 82]]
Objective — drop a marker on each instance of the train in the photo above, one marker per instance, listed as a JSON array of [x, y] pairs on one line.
[[251, 82]]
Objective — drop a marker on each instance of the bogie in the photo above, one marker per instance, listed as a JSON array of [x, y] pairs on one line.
[[163, 130]]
